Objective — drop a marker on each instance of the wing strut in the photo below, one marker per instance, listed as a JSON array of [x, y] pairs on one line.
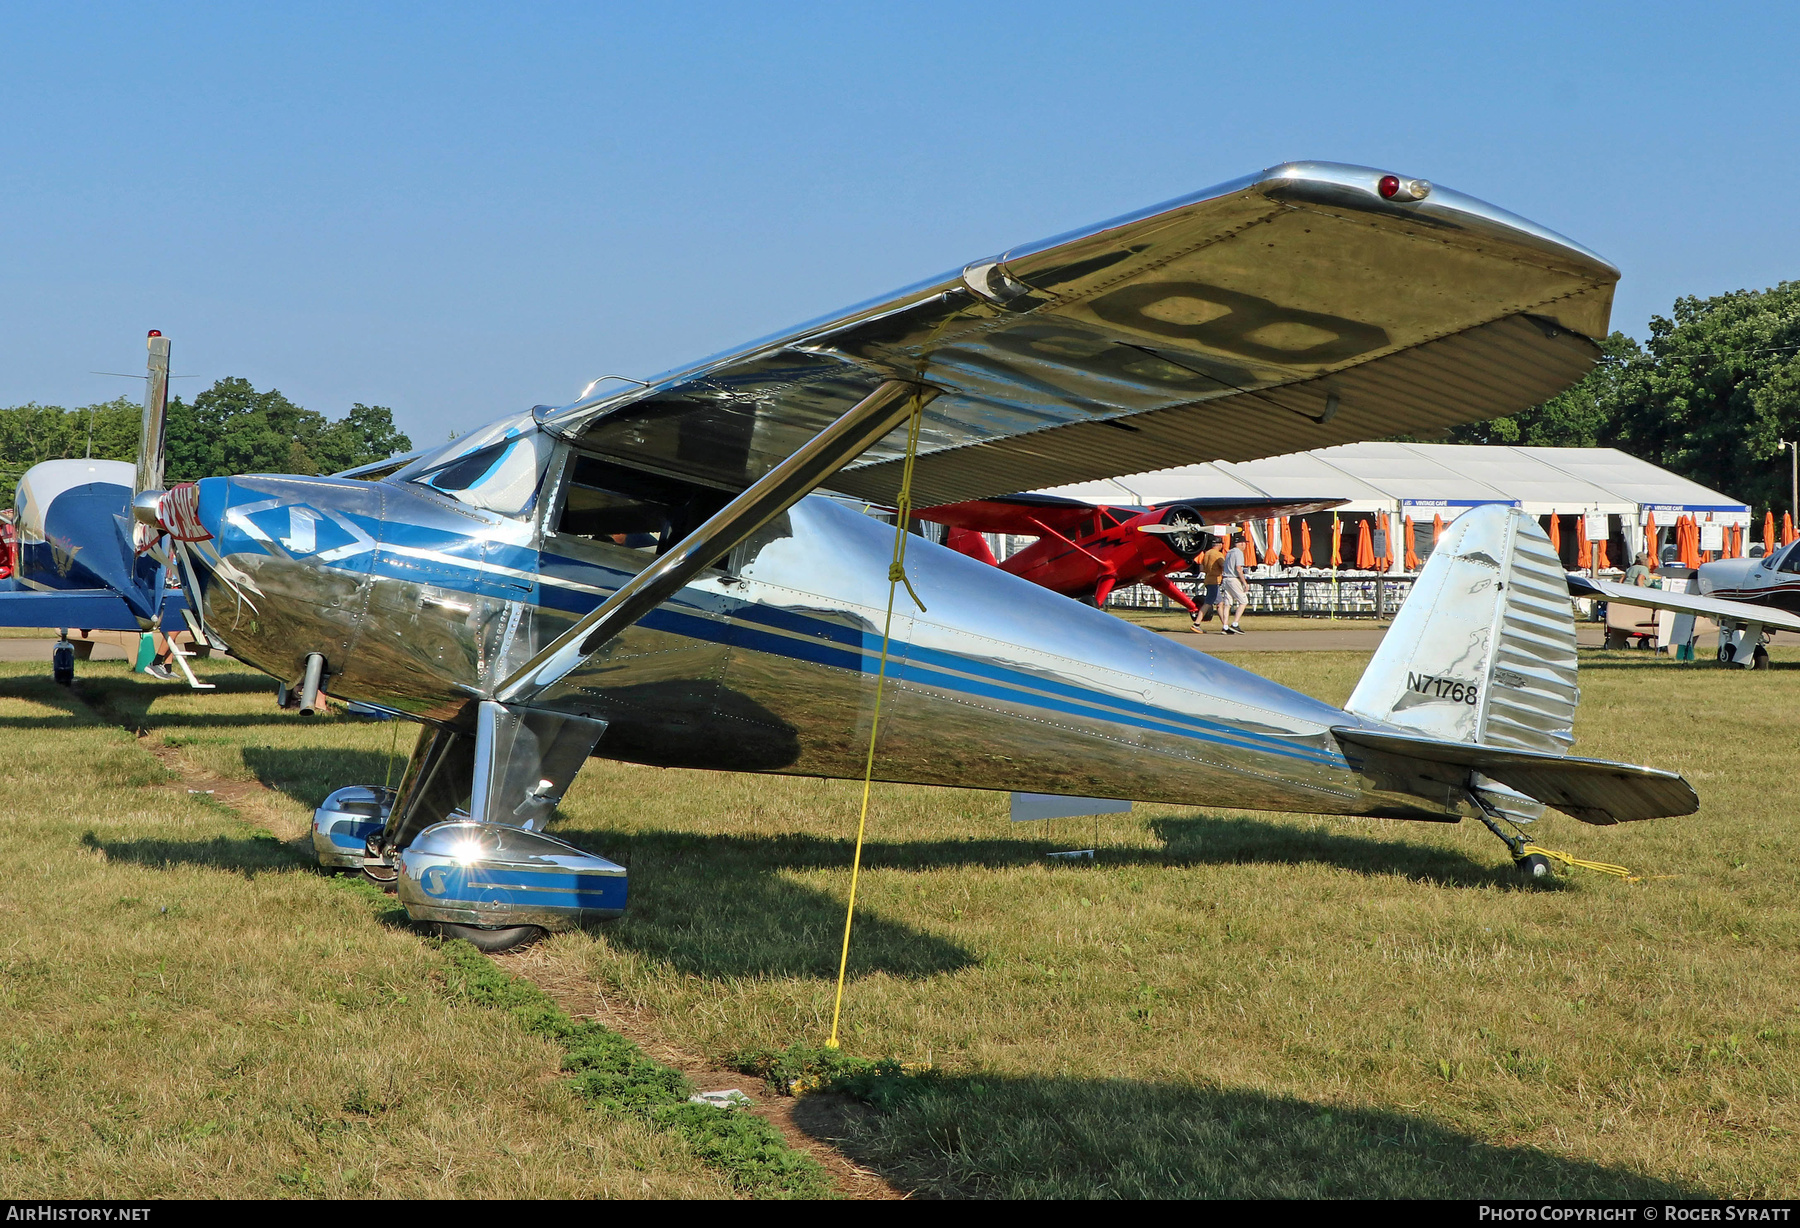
[[862, 425]]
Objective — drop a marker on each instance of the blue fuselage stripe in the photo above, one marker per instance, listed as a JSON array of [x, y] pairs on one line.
[[821, 642]]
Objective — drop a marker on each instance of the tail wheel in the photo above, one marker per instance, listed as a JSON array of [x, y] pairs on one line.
[[1535, 867]]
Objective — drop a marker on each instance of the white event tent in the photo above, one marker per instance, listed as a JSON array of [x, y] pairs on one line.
[[1419, 481]]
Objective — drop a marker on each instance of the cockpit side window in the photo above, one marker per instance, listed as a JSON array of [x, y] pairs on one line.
[[632, 508], [502, 477], [1791, 560]]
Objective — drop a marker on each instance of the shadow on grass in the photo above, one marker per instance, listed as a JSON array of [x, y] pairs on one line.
[[987, 1136], [720, 906], [126, 699], [1242, 841], [245, 855], [42, 690], [310, 775]]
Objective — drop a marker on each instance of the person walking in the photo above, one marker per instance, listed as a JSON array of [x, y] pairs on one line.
[[1212, 568], [1234, 591]]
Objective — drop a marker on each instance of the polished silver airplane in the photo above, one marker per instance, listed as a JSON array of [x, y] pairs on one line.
[[681, 571]]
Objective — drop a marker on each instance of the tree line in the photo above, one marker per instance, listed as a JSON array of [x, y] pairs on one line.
[[1708, 396], [229, 428]]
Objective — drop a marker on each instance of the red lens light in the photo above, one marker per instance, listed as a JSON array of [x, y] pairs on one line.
[[1389, 187], [157, 332]]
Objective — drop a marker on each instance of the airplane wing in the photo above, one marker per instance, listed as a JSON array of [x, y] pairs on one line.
[[1029, 515], [89, 609], [1292, 309], [1715, 608], [1233, 509], [1025, 515], [1308, 305]]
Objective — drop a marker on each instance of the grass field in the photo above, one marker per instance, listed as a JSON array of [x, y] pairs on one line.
[[1225, 1004]]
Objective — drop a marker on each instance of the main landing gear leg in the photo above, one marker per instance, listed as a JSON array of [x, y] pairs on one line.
[[462, 843]]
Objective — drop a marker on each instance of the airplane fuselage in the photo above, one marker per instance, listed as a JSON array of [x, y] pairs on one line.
[[1773, 580], [1112, 554], [768, 663]]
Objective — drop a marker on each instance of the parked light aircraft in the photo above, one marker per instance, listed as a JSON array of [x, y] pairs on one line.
[[662, 573], [1086, 550], [1748, 598]]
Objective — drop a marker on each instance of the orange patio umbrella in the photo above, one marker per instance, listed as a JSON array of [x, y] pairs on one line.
[[1337, 542], [1556, 535], [1787, 528], [1768, 530], [1305, 544], [1365, 548], [1601, 562], [1386, 560], [1249, 546], [1735, 549], [1412, 556], [1650, 539], [1287, 541], [1437, 528], [1272, 551]]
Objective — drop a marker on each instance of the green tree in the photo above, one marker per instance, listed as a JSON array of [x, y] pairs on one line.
[[32, 433], [1708, 396], [1718, 389], [229, 428], [233, 428]]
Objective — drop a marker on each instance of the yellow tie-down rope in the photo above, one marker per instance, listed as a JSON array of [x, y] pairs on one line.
[[1599, 867], [896, 577]]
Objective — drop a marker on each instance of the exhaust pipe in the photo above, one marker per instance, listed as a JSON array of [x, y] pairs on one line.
[[309, 683]]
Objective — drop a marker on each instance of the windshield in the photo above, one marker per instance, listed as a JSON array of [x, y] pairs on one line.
[[497, 467]]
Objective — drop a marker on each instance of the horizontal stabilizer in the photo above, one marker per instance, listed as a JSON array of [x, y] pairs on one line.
[[1593, 790], [1716, 608]]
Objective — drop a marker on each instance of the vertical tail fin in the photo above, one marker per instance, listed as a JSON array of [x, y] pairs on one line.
[[1483, 651]]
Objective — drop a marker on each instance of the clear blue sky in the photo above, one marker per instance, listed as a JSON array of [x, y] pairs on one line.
[[461, 211]]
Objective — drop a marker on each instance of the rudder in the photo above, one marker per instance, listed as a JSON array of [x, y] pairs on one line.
[[1483, 651]]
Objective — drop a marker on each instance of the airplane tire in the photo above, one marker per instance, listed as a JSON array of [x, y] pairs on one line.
[[1535, 868], [386, 878], [491, 940], [1760, 659]]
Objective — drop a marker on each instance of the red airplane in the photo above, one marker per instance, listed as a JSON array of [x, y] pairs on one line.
[[1086, 550]]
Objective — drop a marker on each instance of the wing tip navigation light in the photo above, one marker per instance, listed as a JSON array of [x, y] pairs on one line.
[[1392, 187]]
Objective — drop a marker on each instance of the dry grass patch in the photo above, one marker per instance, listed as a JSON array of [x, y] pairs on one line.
[[191, 1011], [1226, 1003]]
